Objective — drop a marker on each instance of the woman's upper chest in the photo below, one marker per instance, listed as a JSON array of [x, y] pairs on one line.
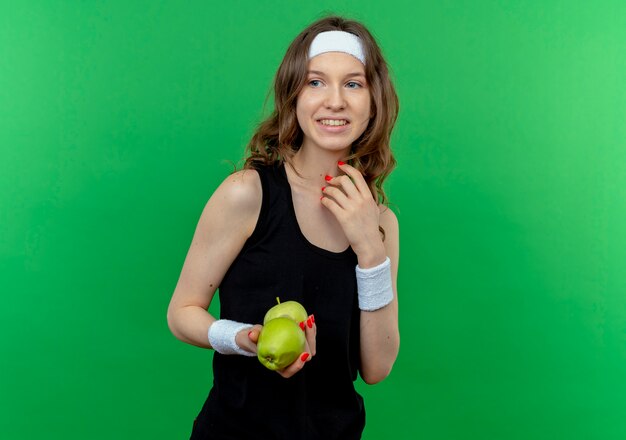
[[318, 225]]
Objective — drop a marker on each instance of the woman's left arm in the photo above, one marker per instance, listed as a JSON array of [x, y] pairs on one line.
[[380, 336], [350, 200]]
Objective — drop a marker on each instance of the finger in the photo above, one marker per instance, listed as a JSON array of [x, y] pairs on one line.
[[311, 334], [337, 195], [307, 349], [296, 366], [253, 334], [357, 177], [332, 206], [247, 339], [345, 183]]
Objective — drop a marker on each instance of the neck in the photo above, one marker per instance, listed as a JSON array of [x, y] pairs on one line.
[[314, 165]]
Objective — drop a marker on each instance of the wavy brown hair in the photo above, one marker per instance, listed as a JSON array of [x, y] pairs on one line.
[[279, 137]]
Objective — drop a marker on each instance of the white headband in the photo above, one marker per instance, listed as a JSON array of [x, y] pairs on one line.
[[337, 41]]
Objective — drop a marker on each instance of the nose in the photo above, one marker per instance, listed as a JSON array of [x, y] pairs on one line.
[[335, 99]]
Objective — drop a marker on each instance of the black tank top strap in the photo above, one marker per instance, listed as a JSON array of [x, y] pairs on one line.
[[261, 223]]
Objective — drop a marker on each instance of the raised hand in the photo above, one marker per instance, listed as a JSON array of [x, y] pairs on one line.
[[350, 200]]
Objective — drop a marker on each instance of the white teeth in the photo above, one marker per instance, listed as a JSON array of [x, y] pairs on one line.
[[333, 122]]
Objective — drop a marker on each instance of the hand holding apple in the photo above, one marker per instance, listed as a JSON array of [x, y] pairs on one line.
[[280, 343], [287, 339]]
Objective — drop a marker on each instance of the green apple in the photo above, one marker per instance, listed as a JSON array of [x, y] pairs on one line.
[[288, 309], [280, 343]]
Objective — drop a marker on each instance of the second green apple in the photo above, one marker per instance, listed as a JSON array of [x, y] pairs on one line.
[[288, 309]]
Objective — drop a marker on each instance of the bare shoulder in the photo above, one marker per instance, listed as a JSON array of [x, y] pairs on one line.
[[236, 203], [241, 189]]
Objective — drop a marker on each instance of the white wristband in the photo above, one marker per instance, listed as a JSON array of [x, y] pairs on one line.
[[222, 337], [374, 286]]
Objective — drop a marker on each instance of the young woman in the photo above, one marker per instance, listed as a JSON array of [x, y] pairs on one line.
[[305, 220]]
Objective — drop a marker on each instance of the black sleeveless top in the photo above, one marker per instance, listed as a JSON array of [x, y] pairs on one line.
[[247, 400]]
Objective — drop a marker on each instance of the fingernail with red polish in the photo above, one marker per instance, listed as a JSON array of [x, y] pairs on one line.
[[302, 325], [304, 357], [341, 163], [323, 188], [309, 323], [328, 178], [313, 319]]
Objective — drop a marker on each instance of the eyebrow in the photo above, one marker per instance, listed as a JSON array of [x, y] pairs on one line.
[[349, 75]]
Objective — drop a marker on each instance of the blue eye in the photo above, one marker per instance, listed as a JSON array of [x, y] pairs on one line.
[[353, 85], [315, 83]]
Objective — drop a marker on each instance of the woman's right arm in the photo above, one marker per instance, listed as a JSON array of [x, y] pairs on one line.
[[227, 221]]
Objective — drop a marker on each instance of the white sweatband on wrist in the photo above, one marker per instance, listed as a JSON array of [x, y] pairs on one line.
[[337, 41], [374, 286], [222, 337]]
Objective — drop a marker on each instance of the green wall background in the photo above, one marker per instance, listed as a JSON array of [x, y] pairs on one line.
[[118, 119]]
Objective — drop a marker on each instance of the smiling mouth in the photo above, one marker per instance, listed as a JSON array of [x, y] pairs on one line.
[[333, 122]]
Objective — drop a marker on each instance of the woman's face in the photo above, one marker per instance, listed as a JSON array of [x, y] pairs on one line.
[[333, 108]]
